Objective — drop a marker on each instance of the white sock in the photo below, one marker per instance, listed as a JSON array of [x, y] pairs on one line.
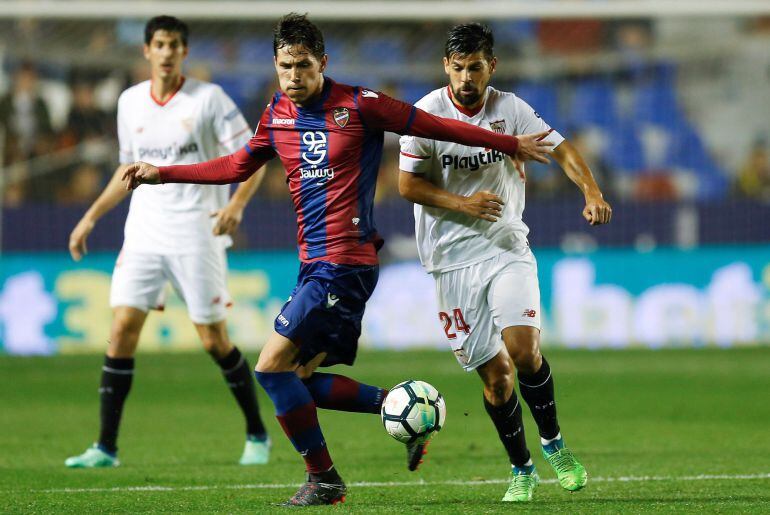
[[545, 442]]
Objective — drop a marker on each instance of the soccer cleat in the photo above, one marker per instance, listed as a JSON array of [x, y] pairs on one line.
[[94, 457], [522, 486], [316, 493], [414, 453], [571, 473], [255, 452]]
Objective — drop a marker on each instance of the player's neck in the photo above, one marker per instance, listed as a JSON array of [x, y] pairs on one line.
[[163, 89]]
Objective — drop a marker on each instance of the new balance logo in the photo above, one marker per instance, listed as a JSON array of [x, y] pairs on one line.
[[331, 300], [529, 313]]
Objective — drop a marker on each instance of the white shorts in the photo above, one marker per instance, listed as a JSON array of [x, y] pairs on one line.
[[478, 301], [139, 281]]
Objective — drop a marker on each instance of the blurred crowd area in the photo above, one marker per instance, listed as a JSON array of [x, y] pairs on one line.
[[662, 110]]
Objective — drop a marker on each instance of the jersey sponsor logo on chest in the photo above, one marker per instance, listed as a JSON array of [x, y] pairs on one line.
[[170, 151], [314, 153], [471, 162]]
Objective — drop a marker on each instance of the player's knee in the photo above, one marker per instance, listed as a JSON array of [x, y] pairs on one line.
[[527, 358], [498, 389]]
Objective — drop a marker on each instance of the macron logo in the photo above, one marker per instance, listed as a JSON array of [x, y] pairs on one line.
[[283, 121], [331, 300], [369, 94], [282, 320]]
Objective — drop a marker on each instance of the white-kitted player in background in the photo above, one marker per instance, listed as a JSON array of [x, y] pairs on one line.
[[175, 233], [472, 239]]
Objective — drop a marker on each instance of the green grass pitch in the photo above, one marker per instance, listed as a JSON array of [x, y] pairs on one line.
[[659, 431]]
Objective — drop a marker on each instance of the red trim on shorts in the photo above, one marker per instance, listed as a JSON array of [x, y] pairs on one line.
[[414, 156]]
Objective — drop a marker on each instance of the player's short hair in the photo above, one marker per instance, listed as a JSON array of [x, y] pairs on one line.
[[167, 23], [296, 29], [469, 38]]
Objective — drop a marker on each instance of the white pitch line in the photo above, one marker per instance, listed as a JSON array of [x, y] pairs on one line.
[[389, 484]]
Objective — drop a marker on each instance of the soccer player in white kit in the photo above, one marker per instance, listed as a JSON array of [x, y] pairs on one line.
[[471, 238], [174, 233]]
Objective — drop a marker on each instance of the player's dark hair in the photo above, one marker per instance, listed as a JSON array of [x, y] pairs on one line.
[[296, 29], [167, 23], [470, 38]]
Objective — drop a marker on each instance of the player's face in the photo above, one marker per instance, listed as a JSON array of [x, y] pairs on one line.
[[469, 76], [300, 73], [166, 52]]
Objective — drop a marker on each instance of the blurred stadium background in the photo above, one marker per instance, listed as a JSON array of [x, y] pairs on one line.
[[668, 101]]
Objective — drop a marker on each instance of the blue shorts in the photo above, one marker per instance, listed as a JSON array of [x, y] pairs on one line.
[[324, 311]]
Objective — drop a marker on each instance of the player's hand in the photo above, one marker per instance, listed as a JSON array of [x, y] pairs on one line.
[[597, 211], [77, 244], [534, 147], [140, 173], [484, 205], [228, 219]]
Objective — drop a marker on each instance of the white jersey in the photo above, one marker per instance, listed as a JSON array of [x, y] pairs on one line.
[[198, 123], [447, 240]]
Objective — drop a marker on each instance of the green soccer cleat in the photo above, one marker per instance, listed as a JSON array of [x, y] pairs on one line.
[[94, 457], [255, 452], [572, 475], [522, 485]]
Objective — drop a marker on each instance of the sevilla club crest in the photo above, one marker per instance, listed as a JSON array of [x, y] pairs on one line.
[[341, 116], [498, 126]]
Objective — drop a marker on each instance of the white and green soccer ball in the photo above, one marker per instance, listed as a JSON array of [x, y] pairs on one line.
[[413, 411]]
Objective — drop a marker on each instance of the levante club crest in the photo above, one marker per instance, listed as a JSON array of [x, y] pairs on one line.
[[498, 126], [341, 116]]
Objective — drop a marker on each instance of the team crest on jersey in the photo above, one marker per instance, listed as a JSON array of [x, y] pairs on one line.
[[498, 126], [341, 116]]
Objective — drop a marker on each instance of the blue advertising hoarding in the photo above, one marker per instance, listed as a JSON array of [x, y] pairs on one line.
[[608, 298]]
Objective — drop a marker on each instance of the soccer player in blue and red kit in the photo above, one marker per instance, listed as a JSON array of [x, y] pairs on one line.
[[329, 138]]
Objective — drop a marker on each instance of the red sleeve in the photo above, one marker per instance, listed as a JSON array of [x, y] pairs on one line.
[[236, 167], [382, 112]]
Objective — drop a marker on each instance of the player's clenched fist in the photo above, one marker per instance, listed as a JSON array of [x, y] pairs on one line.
[[484, 205], [140, 173], [597, 211]]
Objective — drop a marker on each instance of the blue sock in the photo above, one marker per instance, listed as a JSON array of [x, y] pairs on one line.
[[336, 392], [296, 412]]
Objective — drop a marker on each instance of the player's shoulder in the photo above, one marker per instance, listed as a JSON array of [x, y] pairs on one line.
[[135, 93], [352, 93], [201, 89], [497, 96], [434, 102]]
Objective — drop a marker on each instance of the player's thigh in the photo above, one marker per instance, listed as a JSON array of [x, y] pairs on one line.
[[514, 298], [464, 316], [138, 281], [200, 279], [278, 355]]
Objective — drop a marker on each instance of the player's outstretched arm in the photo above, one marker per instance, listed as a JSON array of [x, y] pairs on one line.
[[484, 205], [112, 195], [597, 210]]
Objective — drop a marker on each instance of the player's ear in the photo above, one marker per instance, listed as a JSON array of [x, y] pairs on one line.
[[446, 65], [324, 62], [492, 65], [146, 51]]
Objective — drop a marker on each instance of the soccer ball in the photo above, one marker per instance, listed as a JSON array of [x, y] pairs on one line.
[[413, 411]]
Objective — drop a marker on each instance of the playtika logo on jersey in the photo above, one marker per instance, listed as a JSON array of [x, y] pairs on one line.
[[472, 162]]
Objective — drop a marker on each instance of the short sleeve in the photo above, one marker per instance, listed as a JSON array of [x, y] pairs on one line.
[[126, 149], [230, 127], [416, 154], [528, 121]]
